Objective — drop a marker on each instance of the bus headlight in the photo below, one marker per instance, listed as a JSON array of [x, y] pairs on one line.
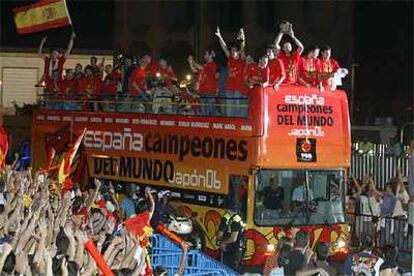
[[270, 248], [340, 246]]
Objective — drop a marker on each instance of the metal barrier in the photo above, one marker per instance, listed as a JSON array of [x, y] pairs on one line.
[[380, 149], [182, 103], [382, 167], [166, 253], [384, 230]]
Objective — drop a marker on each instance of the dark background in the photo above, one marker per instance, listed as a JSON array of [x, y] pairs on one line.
[[376, 36]]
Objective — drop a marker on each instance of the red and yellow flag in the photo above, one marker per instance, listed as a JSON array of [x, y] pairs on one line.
[[66, 165], [140, 227], [43, 15], [4, 146]]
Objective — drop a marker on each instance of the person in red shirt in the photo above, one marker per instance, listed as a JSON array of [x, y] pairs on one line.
[[97, 69], [53, 61], [111, 81], [328, 67], [309, 67], [137, 86], [53, 91], [251, 67], [90, 87], [152, 67], [167, 73], [69, 90], [207, 84], [254, 75], [234, 85], [289, 57], [67, 85], [78, 72], [260, 73], [277, 69]]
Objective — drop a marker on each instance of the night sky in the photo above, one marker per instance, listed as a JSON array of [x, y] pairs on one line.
[[383, 49]]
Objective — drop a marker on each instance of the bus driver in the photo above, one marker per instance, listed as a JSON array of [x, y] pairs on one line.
[[273, 195]]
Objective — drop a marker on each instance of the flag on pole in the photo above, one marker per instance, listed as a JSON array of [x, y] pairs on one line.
[[43, 15], [4, 146], [66, 165]]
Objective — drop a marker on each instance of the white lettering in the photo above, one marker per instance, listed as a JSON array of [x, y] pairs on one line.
[[108, 140], [313, 99], [218, 125], [316, 131], [230, 126], [208, 180], [167, 123], [96, 120], [200, 124], [183, 124], [246, 127], [53, 118]]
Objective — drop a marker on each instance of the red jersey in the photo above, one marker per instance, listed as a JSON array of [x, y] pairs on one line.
[[277, 70], [137, 77], [207, 82], [327, 70], [53, 87], [110, 85], [254, 75], [291, 64], [167, 73], [308, 70], [152, 68], [235, 74], [90, 86], [67, 88], [50, 66]]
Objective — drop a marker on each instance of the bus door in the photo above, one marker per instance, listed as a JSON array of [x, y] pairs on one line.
[[238, 193]]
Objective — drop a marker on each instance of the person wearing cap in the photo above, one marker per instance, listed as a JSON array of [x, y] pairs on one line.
[[162, 208], [230, 237]]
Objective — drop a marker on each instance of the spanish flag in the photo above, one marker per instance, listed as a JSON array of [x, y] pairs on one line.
[[66, 165], [43, 15], [4, 146]]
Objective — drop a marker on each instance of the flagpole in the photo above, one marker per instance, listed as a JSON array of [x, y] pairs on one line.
[[70, 19]]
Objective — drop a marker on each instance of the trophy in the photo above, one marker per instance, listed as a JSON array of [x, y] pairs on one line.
[[285, 27]]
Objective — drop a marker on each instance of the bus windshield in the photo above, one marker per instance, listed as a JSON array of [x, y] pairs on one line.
[[299, 197]]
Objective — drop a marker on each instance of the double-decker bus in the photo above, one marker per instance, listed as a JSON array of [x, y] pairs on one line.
[[295, 140]]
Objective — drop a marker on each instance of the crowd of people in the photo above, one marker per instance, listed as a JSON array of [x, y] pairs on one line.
[[47, 231], [381, 213], [144, 81]]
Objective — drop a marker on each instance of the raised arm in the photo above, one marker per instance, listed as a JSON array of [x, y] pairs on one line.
[[194, 66], [277, 40], [242, 43], [42, 43], [151, 199], [70, 45], [222, 42], [297, 42]]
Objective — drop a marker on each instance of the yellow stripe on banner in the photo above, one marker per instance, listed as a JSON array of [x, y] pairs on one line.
[[41, 15]]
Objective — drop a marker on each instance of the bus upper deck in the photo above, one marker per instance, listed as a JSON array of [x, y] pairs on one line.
[[286, 128]]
